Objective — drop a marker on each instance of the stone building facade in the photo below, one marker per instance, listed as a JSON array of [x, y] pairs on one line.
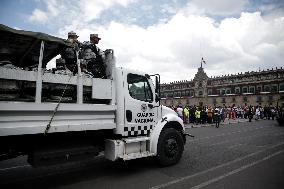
[[265, 88]]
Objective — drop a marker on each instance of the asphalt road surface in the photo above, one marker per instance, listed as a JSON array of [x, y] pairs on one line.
[[241, 155]]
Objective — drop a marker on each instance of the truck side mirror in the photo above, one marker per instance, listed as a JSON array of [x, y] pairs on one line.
[[157, 85], [157, 98], [157, 89]]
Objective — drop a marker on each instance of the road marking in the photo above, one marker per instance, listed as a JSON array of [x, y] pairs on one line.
[[16, 167], [235, 171], [214, 168]]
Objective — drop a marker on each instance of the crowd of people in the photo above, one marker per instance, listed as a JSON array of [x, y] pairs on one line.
[[208, 114]]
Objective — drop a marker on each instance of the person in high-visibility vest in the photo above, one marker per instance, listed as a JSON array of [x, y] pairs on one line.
[[197, 115], [186, 114]]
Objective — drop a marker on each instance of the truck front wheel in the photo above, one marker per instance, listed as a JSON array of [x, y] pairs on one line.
[[170, 147]]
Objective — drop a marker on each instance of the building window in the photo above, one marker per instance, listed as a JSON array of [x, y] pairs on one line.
[[191, 93], [245, 90], [281, 87], [182, 93], [228, 91], [251, 89], [259, 89], [186, 93], [237, 90], [266, 88], [209, 91], [245, 98], [218, 91], [200, 93], [274, 88], [170, 94], [223, 92]]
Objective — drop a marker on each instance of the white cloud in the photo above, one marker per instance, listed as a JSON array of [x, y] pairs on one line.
[[166, 8], [52, 11], [217, 7], [174, 48], [67, 10], [38, 16]]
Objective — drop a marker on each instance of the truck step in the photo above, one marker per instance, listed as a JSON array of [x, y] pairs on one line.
[[136, 139], [136, 155]]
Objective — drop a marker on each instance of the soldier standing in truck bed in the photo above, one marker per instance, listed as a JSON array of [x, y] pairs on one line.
[[94, 57], [69, 54]]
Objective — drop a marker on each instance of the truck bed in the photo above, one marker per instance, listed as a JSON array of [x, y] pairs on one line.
[[18, 118]]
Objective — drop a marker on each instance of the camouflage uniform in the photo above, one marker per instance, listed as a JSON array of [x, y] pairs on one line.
[[93, 58], [69, 54]]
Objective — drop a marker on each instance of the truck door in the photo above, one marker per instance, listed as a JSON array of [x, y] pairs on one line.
[[140, 111]]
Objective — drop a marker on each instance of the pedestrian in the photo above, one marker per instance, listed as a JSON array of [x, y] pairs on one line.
[[242, 112], [223, 113], [261, 112], [269, 113], [203, 115], [273, 113], [257, 113], [210, 115], [246, 110], [250, 113], [217, 114], [186, 114], [265, 112], [180, 112], [197, 115], [192, 114]]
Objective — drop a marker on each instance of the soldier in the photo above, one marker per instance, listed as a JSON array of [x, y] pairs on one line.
[[94, 57], [69, 54]]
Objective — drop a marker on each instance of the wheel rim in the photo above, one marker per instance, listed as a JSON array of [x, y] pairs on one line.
[[171, 147]]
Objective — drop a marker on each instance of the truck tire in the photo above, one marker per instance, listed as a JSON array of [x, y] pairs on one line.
[[170, 147]]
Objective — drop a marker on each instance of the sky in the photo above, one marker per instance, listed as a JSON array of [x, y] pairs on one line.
[[168, 37]]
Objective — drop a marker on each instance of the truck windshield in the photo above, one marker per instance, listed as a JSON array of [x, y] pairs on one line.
[[139, 88]]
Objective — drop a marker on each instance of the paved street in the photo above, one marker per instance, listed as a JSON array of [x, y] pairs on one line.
[[237, 155]]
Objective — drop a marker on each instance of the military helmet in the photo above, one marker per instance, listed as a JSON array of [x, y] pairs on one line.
[[72, 33], [94, 36]]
